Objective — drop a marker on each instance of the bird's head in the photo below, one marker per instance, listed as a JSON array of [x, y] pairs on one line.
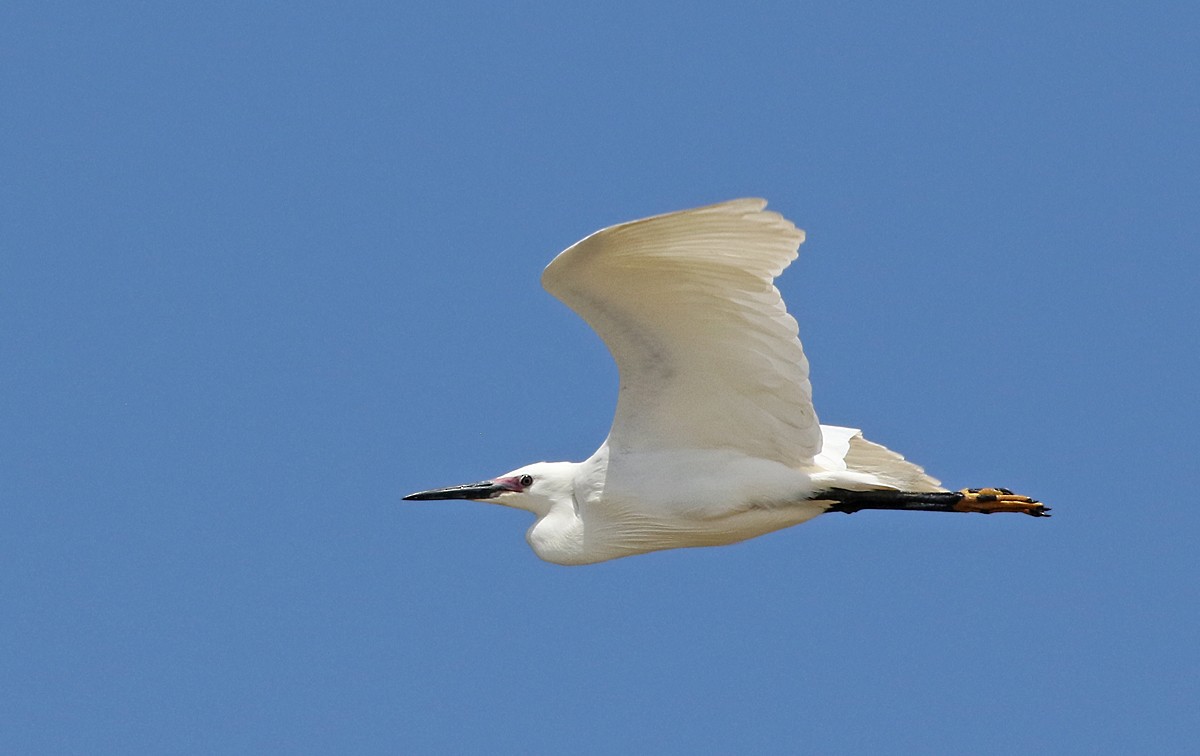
[[535, 488]]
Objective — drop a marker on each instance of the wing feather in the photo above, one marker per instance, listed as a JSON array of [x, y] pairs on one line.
[[708, 356]]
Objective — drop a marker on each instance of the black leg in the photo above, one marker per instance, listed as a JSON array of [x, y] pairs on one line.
[[983, 500]]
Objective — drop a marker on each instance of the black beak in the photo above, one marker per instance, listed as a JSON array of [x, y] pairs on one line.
[[484, 489]]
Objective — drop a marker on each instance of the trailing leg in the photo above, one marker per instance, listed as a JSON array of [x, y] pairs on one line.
[[982, 500]]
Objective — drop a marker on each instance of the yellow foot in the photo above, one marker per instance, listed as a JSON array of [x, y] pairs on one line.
[[989, 500]]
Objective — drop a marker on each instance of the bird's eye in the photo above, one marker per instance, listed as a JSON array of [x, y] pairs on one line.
[[526, 480]]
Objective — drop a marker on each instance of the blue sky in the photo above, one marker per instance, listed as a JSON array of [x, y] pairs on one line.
[[264, 270]]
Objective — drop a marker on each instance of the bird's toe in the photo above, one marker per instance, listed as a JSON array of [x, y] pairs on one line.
[[991, 500]]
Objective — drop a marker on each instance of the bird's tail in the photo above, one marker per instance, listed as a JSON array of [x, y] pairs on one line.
[[848, 447]]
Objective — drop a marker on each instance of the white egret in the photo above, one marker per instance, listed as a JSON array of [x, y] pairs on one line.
[[715, 438]]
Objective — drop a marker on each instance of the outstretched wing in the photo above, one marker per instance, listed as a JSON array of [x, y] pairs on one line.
[[708, 356]]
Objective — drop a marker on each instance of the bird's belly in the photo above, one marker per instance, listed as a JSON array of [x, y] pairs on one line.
[[638, 535]]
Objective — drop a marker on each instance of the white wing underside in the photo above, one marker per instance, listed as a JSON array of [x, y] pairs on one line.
[[708, 356]]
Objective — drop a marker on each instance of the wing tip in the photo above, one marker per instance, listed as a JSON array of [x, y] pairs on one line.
[[741, 205], [746, 209]]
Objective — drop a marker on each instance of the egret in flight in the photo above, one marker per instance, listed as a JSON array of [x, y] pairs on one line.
[[715, 438]]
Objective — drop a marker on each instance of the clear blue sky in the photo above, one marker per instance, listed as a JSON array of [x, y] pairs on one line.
[[264, 270]]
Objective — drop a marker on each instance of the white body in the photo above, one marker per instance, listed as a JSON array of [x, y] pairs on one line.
[[715, 439], [615, 505]]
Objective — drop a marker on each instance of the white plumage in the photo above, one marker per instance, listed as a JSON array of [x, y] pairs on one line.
[[708, 355], [715, 439]]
